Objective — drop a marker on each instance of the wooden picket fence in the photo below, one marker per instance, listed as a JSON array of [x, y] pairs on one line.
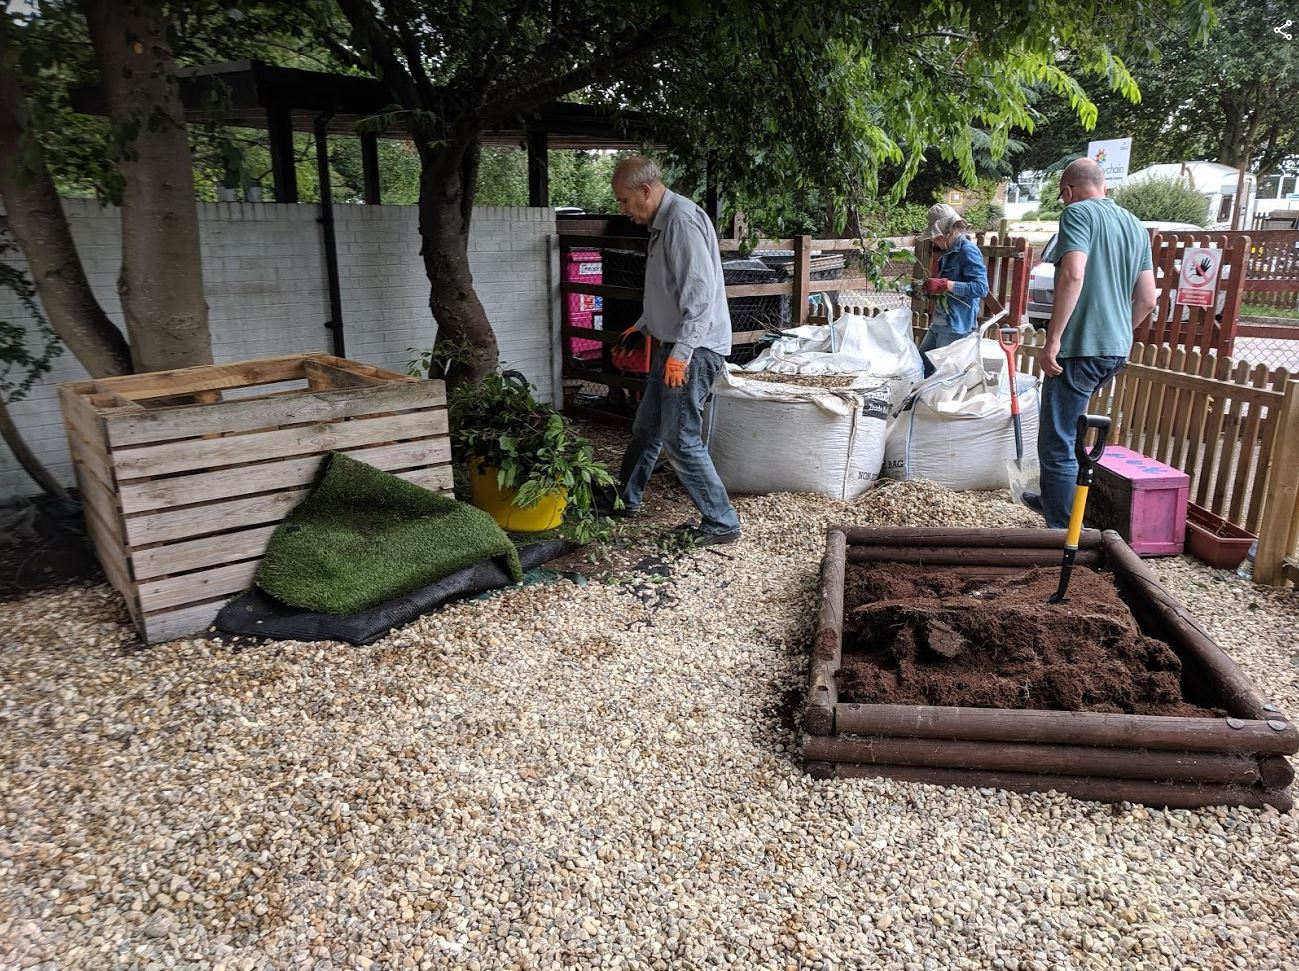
[[1272, 279], [1232, 427]]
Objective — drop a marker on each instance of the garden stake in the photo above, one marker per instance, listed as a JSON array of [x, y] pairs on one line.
[[1086, 468]]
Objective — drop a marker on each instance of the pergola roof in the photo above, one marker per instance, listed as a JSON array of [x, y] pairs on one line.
[[249, 94]]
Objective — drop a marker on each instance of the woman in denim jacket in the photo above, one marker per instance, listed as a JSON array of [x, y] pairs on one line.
[[959, 288]]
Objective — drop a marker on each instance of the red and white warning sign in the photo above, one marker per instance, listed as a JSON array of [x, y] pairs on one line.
[[1197, 285]]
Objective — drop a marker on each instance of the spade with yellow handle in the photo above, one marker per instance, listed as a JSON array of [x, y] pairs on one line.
[[1087, 460]]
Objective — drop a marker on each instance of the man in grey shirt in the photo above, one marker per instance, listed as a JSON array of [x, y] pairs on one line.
[[685, 312]]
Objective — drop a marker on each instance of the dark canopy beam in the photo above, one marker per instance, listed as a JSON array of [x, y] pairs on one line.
[[538, 168]]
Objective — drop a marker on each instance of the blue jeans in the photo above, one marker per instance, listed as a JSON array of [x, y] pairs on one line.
[[936, 336], [1064, 400], [672, 419]]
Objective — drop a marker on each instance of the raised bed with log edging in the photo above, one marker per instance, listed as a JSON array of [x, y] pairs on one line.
[[1178, 762]]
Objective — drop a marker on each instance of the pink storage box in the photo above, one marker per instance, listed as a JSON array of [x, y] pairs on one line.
[[1144, 500], [584, 309]]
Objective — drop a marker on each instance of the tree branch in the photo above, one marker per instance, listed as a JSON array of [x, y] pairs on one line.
[[529, 98], [377, 45]]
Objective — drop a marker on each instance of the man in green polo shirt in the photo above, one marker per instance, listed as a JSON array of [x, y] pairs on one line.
[[1104, 287]]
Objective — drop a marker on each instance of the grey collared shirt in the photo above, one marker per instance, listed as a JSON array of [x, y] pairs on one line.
[[685, 293]]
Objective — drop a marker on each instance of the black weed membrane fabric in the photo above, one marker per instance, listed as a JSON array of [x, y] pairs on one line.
[[257, 614]]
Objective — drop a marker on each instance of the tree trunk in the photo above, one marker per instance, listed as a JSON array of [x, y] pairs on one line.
[[446, 197], [9, 434], [38, 223], [161, 282]]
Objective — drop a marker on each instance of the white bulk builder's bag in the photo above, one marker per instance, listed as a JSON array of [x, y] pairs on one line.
[[768, 437], [955, 427], [881, 347]]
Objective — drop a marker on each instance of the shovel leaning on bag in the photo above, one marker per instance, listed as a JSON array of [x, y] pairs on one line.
[[1023, 474]]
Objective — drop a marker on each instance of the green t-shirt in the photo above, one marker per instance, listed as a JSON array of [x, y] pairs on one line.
[[1118, 249]]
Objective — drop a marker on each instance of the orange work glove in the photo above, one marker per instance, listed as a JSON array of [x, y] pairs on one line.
[[938, 284], [674, 372]]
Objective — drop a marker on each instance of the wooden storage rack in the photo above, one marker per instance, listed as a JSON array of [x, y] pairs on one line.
[[183, 478], [1161, 761]]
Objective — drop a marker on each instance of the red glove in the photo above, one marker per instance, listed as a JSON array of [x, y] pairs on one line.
[[674, 372], [938, 284], [625, 338]]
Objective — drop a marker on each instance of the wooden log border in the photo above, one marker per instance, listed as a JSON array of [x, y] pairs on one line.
[[1161, 761]]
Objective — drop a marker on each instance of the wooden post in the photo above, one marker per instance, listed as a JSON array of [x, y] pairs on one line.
[[1278, 529], [802, 285], [538, 168], [370, 166], [279, 126]]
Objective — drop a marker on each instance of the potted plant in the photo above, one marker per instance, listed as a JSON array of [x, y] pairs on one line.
[[526, 463]]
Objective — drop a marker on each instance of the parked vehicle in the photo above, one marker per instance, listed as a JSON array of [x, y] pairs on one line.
[[1216, 182], [1041, 280]]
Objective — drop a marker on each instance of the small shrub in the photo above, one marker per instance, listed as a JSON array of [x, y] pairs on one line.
[[1167, 199]]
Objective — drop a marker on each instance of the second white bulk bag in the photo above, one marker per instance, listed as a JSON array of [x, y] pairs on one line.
[[952, 432]]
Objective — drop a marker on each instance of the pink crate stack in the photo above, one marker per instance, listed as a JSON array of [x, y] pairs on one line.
[[584, 309], [1141, 498]]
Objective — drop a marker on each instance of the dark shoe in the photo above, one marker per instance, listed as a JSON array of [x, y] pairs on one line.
[[604, 506], [688, 534], [1033, 501]]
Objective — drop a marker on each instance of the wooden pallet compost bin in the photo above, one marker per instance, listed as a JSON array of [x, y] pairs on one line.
[[1178, 762], [185, 474]]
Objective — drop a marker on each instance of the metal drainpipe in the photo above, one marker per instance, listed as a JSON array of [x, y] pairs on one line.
[[326, 220]]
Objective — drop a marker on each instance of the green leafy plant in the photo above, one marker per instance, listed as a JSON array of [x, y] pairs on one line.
[[1167, 199], [534, 449]]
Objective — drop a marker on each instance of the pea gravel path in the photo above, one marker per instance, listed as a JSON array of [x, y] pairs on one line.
[[581, 777]]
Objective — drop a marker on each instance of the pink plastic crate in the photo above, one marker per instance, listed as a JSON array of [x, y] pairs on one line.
[[584, 309], [1144, 500]]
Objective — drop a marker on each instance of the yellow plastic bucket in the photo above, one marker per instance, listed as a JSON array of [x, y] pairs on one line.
[[499, 503]]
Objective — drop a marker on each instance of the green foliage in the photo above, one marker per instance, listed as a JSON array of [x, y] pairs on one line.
[[1049, 204], [20, 365], [502, 177], [902, 219], [1228, 99], [534, 448], [1163, 199]]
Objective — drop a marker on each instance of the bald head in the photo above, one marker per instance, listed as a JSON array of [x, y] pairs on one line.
[[1084, 180]]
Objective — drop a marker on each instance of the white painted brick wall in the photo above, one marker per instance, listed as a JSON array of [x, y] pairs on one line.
[[264, 277]]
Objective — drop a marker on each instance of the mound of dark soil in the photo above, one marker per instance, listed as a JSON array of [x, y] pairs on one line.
[[914, 635]]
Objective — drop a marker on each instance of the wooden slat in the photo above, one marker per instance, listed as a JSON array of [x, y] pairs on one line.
[[1140, 428], [579, 241], [356, 367], [1267, 440], [1249, 445], [208, 377], [192, 454], [193, 521], [247, 415], [142, 495], [194, 554], [327, 377], [1230, 436], [172, 624], [192, 588], [1168, 428], [97, 495], [111, 558], [1183, 417], [634, 294], [1213, 426], [174, 524]]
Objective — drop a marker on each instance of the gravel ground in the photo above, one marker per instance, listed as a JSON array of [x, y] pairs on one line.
[[576, 777]]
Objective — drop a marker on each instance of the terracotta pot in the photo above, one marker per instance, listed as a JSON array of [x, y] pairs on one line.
[[1213, 540]]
